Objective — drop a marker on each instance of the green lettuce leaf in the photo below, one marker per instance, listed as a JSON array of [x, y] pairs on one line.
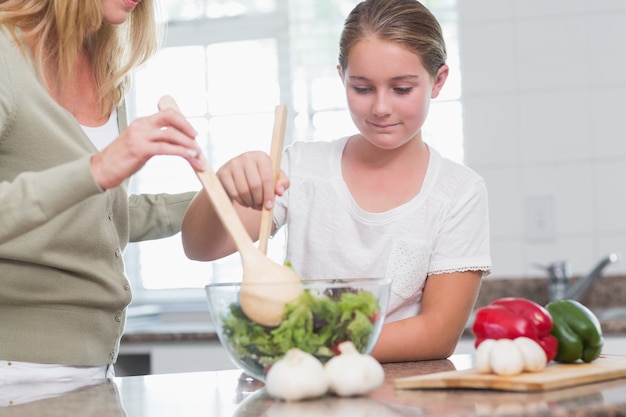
[[315, 324]]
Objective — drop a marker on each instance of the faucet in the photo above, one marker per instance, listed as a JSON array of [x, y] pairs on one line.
[[560, 274]]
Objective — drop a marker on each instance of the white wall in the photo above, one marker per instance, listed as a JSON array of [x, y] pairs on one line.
[[544, 87]]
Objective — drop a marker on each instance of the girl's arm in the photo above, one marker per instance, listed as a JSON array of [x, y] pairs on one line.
[[447, 303], [203, 234], [249, 182]]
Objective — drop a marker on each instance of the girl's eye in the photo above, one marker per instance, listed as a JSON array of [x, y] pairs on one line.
[[403, 90], [362, 90]]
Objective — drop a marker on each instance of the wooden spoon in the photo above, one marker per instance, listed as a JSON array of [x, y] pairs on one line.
[[266, 286], [276, 151]]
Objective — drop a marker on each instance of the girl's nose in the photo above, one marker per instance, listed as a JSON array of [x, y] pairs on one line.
[[382, 105]]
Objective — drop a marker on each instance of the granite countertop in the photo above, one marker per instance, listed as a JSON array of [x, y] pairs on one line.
[[203, 331], [231, 393], [606, 298], [191, 331], [152, 323]]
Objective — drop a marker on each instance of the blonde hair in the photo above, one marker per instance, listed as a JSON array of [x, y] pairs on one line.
[[405, 22], [57, 29]]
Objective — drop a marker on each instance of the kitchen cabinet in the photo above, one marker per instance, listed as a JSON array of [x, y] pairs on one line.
[[163, 339], [187, 342], [193, 356], [171, 357]]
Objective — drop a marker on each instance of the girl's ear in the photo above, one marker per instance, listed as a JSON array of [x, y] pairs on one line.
[[440, 80], [340, 72]]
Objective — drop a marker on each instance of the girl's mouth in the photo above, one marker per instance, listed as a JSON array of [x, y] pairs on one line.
[[382, 125]]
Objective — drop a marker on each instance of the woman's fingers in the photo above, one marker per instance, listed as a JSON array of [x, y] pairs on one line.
[[164, 133], [177, 131], [170, 118]]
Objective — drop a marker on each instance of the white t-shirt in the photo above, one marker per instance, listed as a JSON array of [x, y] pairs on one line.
[[102, 136], [445, 228]]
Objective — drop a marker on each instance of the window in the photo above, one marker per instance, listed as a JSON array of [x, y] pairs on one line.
[[228, 63]]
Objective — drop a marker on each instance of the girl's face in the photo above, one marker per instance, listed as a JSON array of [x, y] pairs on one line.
[[116, 11], [388, 91]]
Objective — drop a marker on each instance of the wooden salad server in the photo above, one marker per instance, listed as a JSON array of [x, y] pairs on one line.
[[266, 286], [276, 151]]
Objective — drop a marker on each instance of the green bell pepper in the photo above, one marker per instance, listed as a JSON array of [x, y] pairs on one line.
[[577, 329]]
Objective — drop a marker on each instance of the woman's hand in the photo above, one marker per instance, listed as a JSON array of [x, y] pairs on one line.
[[248, 180], [164, 133]]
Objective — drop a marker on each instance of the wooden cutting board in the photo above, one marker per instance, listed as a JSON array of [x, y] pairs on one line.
[[555, 375]]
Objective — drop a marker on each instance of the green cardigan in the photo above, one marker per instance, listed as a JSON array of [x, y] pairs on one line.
[[63, 290]]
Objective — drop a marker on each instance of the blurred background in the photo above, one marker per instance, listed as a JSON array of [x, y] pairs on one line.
[[228, 64], [534, 104]]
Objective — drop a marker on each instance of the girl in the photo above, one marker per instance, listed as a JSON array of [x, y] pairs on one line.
[[380, 202]]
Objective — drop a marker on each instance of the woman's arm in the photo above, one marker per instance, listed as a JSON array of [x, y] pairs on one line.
[[434, 333], [157, 216]]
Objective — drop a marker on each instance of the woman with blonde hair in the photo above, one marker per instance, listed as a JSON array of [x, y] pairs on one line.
[[66, 156]]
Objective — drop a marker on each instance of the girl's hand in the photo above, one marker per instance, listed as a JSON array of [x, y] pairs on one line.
[[249, 181], [164, 133]]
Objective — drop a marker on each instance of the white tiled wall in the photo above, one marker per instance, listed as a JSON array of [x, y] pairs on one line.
[[544, 87]]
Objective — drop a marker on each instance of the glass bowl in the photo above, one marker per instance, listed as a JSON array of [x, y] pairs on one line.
[[327, 313]]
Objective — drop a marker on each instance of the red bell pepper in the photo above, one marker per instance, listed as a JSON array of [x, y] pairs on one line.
[[511, 317]]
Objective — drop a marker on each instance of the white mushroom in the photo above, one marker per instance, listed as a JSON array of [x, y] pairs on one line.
[[506, 358], [535, 358], [352, 373], [482, 356], [297, 376], [509, 357]]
